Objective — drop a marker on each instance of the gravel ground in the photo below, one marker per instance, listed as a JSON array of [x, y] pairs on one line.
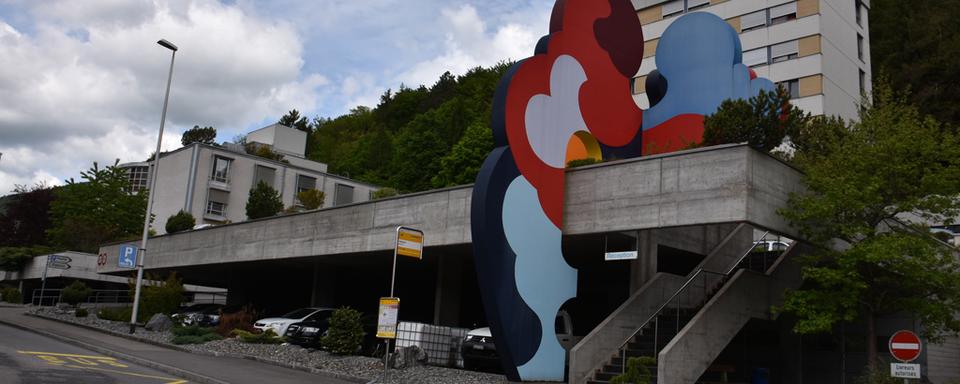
[[356, 366]]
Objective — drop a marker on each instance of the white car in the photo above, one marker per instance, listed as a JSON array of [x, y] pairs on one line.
[[279, 324]]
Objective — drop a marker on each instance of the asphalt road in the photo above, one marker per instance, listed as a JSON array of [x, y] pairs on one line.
[[28, 358]]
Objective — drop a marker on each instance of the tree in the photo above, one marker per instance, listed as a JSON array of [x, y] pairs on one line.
[[462, 164], [179, 222], [76, 293], [293, 120], [762, 121], [859, 180], [197, 134], [264, 201], [311, 198], [98, 210], [27, 218], [345, 333]]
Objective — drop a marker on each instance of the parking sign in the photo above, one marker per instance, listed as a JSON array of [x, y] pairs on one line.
[[127, 257]]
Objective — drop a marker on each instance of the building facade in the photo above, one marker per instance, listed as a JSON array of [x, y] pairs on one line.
[[819, 50], [212, 182]]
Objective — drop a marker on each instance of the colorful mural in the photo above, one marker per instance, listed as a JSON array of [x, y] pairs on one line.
[[573, 100]]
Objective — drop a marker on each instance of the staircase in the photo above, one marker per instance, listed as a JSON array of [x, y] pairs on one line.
[[671, 319]]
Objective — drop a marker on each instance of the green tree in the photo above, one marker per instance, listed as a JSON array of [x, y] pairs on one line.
[[311, 198], [159, 295], [762, 121], [76, 293], [461, 165], [859, 180], [96, 211], [264, 201], [345, 332], [15, 258], [293, 120], [179, 222], [198, 134], [26, 217]]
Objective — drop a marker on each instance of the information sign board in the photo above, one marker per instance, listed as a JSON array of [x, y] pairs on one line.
[[409, 242], [387, 319]]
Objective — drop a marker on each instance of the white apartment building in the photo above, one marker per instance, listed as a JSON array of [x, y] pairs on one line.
[[818, 49], [213, 182]]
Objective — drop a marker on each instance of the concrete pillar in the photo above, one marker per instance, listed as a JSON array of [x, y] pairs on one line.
[[446, 304], [323, 293], [645, 266]]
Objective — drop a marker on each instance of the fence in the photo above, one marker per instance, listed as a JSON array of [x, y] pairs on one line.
[[51, 297], [441, 344]]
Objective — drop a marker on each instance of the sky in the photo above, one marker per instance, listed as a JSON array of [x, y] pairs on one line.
[[82, 81]]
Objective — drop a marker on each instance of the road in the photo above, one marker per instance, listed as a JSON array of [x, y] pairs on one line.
[[28, 358]]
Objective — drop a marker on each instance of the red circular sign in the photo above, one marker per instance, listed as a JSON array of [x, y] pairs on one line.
[[905, 346]]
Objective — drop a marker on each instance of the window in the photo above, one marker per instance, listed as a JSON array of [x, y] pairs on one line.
[[792, 86], [784, 51], [675, 6], [217, 202], [693, 4], [755, 57], [306, 183], [753, 21], [138, 177], [343, 195], [783, 13], [856, 7], [264, 174], [860, 46], [221, 169], [863, 81]]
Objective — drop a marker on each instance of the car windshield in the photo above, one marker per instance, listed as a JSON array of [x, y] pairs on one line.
[[299, 314]]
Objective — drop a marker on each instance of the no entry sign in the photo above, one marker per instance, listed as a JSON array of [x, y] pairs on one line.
[[905, 346]]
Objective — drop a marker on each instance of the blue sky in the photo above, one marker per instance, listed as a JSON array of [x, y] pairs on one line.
[[82, 80]]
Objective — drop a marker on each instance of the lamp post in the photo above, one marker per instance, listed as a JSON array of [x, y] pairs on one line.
[[153, 185]]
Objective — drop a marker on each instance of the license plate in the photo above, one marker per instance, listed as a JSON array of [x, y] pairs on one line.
[[478, 347]]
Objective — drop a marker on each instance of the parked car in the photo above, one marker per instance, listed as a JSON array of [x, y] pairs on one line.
[[279, 324], [307, 333], [480, 353], [204, 315]]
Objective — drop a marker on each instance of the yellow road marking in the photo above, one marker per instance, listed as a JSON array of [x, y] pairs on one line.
[[65, 355], [175, 381], [55, 359]]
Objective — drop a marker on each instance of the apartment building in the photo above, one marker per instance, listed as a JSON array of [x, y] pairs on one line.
[[212, 182], [819, 50]]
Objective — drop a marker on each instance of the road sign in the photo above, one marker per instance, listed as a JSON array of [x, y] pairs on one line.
[[59, 261], [905, 346], [409, 242], [905, 371], [127, 257], [627, 255], [387, 320]]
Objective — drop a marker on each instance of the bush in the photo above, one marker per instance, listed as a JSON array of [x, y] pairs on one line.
[[383, 193], [637, 371], [345, 332], [115, 313], [180, 222], [311, 198], [11, 295], [15, 258], [81, 312], [762, 121], [263, 201], [242, 320], [194, 335], [581, 162], [159, 296], [76, 293], [265, 337]]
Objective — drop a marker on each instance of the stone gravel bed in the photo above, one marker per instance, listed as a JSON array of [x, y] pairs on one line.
[[362, 367]]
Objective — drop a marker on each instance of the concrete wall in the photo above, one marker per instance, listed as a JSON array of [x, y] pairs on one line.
[[943, 361], [713, 185], [283, 139]]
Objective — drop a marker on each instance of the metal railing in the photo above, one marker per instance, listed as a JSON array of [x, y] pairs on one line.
[[699, 279], [52, 297]]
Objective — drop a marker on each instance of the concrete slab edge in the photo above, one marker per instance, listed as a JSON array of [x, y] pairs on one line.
[[315, 371], [195, 377]]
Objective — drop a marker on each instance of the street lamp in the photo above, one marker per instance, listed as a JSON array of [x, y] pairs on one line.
[[153, 184]]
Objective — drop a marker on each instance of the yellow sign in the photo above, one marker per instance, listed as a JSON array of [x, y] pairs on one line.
[[387, 319], [410, 242]]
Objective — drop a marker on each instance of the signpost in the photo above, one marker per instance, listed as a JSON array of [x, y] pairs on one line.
[[625, 255], [409, 242], [127, 257], [53, 261], [906, 347]]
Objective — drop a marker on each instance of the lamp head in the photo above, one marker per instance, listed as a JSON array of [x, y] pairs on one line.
[[167, 44]]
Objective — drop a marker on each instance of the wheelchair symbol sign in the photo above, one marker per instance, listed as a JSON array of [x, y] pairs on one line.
[[128, 256]]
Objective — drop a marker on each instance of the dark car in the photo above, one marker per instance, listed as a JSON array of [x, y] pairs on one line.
[[478, 350], [309, 331], [204, 315]]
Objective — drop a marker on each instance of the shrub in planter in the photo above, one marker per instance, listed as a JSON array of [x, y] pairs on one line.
[[345, 333], [242, 320], [11, 295], [194, 335], [162, 296], [81, 312], [180, 222], [115, 313], [265, 337], [637, 371], [76, 293]]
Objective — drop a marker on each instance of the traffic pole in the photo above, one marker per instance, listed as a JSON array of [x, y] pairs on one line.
[[393, 279], [43, 284]]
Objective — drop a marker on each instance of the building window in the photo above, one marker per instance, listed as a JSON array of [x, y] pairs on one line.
[[304, 183], [343, 195], [783, 13], [755, 57], [792, 87], [138, 177], [217, 202], [264, 174], [860, 46], [670, 8], [754, 20], [694, 4], [863, 82], [784, 51], [859, 10], [221, 169]]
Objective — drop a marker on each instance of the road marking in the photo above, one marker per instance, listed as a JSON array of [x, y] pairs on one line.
[[70, 360], [175, 381]]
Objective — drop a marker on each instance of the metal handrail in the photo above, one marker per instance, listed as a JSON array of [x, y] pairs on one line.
[[699, 271]]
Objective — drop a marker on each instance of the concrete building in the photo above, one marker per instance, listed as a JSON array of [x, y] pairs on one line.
[[819, 50], [212, 182]]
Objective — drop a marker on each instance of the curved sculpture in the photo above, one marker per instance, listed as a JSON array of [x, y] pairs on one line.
[[573, 99]]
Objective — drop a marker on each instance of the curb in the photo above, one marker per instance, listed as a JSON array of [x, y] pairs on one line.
[[195, 377], [315, 371]]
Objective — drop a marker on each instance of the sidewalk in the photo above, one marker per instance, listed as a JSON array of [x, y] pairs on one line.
[[194, 367]]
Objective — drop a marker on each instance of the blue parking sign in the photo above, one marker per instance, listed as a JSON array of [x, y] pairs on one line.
[[128, 256]]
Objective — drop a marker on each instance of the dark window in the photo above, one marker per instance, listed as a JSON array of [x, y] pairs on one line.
[[860, 46], [784, 51], [694, 4], [792, 86], [754, 20], [221, 169], [343, 195], [217, 202], [305, 183], [856, 6], [264, 174], [863, 81], [783, 13]]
